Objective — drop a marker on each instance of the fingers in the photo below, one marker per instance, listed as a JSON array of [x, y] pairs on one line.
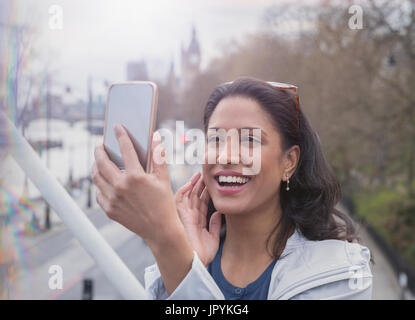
[[129, 155], [200, 187], [215, 224], [100, 182], [184, 190], [102, 201], [159, 160], [103, 188], [195, 178], [107, 169], [204, 201], [196, 192]]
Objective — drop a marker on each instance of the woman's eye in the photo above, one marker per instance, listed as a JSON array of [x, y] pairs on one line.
[[213, 139], [250, 140]]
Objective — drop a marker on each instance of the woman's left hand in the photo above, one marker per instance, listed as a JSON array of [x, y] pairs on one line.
[[192, 201], [143, 203]]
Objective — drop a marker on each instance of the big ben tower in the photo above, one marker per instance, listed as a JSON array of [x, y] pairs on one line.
[[190, 60]]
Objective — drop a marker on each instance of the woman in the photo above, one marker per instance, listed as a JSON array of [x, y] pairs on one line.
[[281, 236]]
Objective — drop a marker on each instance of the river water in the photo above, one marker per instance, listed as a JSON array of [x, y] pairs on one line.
[[77, 152]]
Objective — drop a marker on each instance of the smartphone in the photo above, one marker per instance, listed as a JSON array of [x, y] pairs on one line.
[[132, 104]]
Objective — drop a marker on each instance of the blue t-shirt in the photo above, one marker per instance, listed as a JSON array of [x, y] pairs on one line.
[[257, 290]]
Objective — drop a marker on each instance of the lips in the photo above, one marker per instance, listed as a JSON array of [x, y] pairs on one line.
[[231, 182]]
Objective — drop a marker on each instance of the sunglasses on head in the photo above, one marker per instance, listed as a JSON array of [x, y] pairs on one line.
[[284, 86]]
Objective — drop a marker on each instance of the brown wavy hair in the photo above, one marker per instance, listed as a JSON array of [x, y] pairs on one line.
[[314, 190]]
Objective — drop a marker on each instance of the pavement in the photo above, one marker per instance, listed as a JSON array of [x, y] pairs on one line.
[[385, 281]]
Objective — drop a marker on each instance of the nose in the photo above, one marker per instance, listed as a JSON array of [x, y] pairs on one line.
[[229, 154]]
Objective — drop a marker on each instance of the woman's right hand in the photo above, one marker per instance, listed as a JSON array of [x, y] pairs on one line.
[[192, 204]]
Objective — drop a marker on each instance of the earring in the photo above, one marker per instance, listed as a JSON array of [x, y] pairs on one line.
[[288, 182]]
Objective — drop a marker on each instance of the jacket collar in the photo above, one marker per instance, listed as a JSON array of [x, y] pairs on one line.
[[295, 240]]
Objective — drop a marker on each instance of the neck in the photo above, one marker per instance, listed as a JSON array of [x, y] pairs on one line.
[[247, 233]]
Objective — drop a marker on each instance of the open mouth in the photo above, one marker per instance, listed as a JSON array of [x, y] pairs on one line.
[[232, 181]]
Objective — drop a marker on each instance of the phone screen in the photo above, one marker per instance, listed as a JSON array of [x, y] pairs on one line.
[[131, 105]]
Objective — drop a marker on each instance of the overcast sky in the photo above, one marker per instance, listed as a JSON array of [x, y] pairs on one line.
[[100, 36]]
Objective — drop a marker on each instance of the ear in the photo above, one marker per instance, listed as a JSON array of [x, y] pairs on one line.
[[291, 159]]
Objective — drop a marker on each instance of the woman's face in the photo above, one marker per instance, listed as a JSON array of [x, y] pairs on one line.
[[262, 188]]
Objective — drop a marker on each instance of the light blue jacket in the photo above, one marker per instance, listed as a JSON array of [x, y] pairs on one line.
[[327, 269]]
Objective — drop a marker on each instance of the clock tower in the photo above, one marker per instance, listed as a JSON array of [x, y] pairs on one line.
[[190, 60]]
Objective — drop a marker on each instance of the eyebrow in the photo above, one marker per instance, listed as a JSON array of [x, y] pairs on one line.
[[262, 130]]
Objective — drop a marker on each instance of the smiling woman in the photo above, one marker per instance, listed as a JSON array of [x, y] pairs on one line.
[[295, 189], [282, 237], [280, 227], [291, 155]]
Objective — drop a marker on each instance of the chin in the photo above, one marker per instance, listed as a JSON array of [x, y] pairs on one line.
[[229, 206]]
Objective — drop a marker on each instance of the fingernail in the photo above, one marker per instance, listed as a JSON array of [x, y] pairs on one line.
[[194, 176], [118, 130]]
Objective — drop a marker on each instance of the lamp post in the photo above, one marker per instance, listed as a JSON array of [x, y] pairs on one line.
[[70, 176], [89, 115], [89, 129], [47, 211]]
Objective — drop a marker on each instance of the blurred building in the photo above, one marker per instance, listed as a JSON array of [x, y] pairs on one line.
[[137, 70], [176, 85], [172, 80], [190, 60], [172, 91]]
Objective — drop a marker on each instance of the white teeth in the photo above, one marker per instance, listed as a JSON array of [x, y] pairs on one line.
[[233, 179]]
